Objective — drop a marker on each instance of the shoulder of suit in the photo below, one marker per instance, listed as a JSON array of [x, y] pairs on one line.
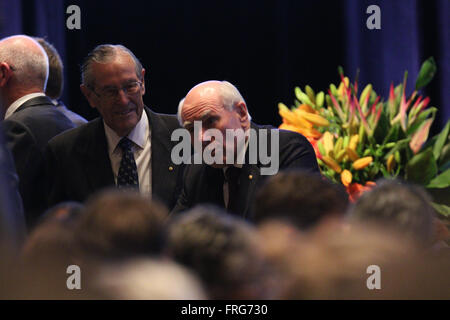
[[168, 120], [78, 135], [293, 137], [285, 136]]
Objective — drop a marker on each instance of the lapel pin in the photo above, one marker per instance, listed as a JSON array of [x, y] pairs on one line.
[[250, 176], [170, 168]]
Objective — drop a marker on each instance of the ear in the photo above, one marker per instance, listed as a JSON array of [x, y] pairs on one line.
[[143, 80], [90, 96], [5, 73], [241, 109]]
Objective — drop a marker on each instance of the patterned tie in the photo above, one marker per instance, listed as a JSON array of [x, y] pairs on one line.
[[128, 176]]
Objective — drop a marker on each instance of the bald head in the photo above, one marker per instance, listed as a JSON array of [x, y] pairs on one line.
[[28, 61], [210, 94]]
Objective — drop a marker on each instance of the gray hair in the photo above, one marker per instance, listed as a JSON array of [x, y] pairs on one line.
[[105, 53], [230, 98], [30, 66]]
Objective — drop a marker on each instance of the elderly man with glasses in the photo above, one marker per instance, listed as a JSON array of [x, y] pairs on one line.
[[129, 146]]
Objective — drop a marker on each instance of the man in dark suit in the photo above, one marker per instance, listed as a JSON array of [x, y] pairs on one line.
[[129, 146], [226, 182], [31, 119]]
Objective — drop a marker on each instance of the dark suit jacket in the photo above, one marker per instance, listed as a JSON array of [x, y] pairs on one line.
[[79, 164], [27, 132], [204, 184], [12, 219]]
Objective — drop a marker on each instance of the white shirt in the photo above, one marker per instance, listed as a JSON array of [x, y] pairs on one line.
[[16, 104], [141, 148]]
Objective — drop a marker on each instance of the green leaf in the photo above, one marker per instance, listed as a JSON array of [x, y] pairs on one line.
[[392, 135], [422, 167], [320, 97], [420, 136], [381, 130], [310, 93], [420, 119], [441, 208], [441, 181], [426, 73], [303, 97], [398, 147], [445, 154], [442, 138]]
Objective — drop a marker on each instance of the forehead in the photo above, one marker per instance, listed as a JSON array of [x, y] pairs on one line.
[[197, 109], [115, 72]]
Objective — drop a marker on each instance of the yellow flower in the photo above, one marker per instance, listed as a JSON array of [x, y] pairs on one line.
[[362, 163], [354, 142], [328, 143], [346, 177], [390, 163], [352, 154], [316, 119], [331, 164]]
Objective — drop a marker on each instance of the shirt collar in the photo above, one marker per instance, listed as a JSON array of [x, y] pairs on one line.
[[138, 135], [16, 104]]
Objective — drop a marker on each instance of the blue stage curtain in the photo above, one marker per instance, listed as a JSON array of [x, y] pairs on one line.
[[265, 47]]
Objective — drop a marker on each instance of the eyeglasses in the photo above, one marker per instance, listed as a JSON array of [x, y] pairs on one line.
[[129, 89]]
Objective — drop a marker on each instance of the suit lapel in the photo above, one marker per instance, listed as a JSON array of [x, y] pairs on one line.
[[95, 151], [161, 147], [250, 176]]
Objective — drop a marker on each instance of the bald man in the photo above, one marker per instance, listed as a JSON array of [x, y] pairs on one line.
[[30, 118], [230, 176]]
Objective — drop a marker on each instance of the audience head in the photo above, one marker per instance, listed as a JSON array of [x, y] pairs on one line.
[[223, 251], [117, 225], [52, 239], [113, 83], [47, 253], [397, 205], [23, 69], [342, 263], [300, 198], [218, 105], [55, 81]]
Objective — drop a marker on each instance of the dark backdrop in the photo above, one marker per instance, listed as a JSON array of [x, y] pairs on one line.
[[265, 48]]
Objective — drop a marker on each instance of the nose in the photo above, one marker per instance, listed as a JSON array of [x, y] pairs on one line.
[[122, 97]]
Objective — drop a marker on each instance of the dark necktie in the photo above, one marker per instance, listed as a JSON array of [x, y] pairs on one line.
[[232, 177], [127, 176]]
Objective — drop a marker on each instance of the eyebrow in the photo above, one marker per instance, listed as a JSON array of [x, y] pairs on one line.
[[206, 114]]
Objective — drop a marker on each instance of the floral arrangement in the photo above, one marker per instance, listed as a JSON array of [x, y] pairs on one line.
[[358, 137]]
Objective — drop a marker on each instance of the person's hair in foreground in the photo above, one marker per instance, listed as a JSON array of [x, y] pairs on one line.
[[300, 198], [397, 205], [341, 261], [120, 224], [222, 250]]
